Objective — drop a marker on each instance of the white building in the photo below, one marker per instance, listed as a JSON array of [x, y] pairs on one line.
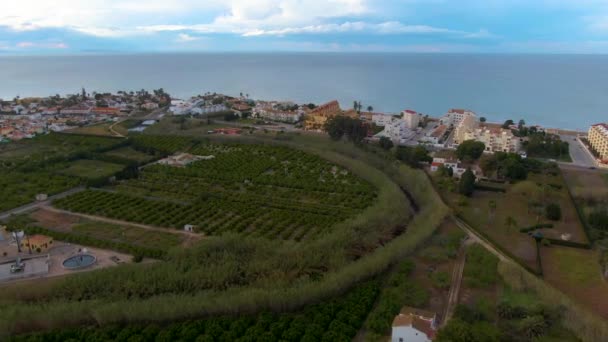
[[398, 131], [380, 119], [598, 139], [455, 116], [456, 165], [411, 118], [496, 139], [413, 325]]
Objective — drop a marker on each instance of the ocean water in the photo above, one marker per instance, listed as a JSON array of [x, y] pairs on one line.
[[565, 91]]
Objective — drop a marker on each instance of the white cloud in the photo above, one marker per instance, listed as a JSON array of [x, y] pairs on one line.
[[389, 27], [44, 45], [185, 38]]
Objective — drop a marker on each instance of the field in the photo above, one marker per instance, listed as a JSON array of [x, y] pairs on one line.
[[523, 202], [129, 153], [91, 169], [590, 192], [19, 188], [101, 129], [253, 190]]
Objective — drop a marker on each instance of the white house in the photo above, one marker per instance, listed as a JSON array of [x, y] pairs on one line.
[[413, 325]]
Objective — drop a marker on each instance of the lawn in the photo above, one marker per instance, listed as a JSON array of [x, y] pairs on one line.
[[130, 154], [127, 234], [91, 169], [96, 129]]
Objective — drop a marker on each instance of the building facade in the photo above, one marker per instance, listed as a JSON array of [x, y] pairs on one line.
[[496, 139], [455, 116], [598, 139], [316, 118], [411, 118]]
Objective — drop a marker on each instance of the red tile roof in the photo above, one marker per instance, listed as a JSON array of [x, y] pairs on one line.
[[409, 111]]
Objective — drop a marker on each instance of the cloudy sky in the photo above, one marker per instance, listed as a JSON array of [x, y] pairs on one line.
[[125, 26]]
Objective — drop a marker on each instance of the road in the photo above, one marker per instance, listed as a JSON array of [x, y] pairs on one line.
[[481, 240], [35, 205], [579, 153]]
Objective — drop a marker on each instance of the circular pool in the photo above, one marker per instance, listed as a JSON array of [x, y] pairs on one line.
[[79, 261]]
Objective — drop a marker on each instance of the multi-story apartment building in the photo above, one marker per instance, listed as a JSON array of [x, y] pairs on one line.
[[598, 139], [411, 118], [316, 118], [495, 139], [455, 116]]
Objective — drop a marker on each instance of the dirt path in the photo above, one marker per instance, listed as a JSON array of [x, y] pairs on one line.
[[457, 273], [111, 128], [35, 205], [481, 240], [123, 223]]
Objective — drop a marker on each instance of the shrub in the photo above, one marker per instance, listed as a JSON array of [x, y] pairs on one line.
[[553, 212]]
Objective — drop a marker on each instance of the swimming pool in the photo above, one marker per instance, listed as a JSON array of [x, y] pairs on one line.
[[79, 261]]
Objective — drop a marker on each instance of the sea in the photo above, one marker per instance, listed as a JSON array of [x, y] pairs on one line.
[[559, 91]]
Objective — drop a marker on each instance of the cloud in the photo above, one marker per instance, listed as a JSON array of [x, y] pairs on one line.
[[185, 38], [389, 27], [43, 45]]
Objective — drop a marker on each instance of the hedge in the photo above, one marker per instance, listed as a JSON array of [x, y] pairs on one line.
[[536, 226]]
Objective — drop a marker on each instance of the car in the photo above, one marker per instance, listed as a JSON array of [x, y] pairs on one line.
[[591, 167], [18, 266]]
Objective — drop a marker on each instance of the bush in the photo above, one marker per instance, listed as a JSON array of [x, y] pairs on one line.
[[553, 212]]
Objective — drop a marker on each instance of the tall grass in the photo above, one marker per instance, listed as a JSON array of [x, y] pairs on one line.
[[586, 325]]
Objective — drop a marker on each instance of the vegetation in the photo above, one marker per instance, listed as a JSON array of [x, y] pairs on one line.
[[91, 169], [543, 145], [275, 192], [470, 150], [340, 126], [386, 143], [243, 274], [332, 320], [398, 291], [553, 212], [480, 269], [466, 185], [413, 156]]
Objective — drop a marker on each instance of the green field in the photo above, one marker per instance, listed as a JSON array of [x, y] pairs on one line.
[[129, 235], [91, 169], [130, 153]]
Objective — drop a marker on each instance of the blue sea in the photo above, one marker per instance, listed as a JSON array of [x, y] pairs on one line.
[[565, 91]]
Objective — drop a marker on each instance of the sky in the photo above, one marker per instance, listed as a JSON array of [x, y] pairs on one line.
[[426, 26]]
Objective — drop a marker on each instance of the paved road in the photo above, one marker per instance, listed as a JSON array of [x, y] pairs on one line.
[[579, 153], [35, 205]]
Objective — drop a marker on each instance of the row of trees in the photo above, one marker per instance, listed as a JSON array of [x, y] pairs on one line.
[[332, 321], [339, 126]]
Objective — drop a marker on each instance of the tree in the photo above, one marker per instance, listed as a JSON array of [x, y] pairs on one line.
[[386, 143], [491, 208], [340, 125], [553, 212], [482, 119], [370, 108], [521, 124], [470, 149], [507, 124], [466, 186], [413, 156]]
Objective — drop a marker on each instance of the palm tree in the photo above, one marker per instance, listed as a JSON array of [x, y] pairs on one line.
[[370, 108], [510, 222]]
